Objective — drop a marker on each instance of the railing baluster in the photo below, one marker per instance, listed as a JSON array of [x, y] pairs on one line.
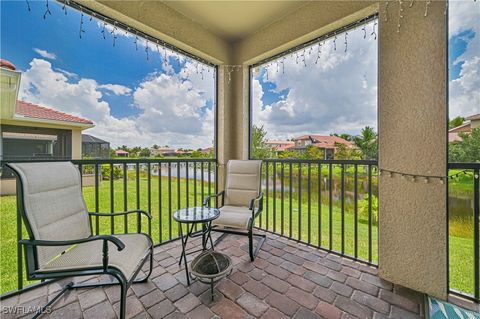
[[125, 197], [299, 201], [274, 205], [309, 200], [112, 202], [209, 178], [476, 231], [149, 195], [319, 204], [97, 221], [202, 186], [194, 183], [330, 206], [19, 246], [160, 232], [282, 179], [355, 210], [179, 206], [266, 195], [369, 213], [137, 177], [169, 200], [290, 172], [343, 207], [187, 181]]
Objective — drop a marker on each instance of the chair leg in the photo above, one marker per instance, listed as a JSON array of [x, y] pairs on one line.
[[123, 298], [44, 308], [250, 245]]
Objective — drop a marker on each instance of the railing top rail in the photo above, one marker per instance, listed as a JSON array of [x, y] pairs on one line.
[[464, 165], [114, 161], [319, 161]]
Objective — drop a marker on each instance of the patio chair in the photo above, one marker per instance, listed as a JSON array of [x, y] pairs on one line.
[[61, 242], [241, 203]]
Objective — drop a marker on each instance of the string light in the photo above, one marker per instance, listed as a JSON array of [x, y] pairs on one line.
[[374, 33], [114, 35], [146, 49], [365, 29], [28, 5], [412, 177], [427, 3], [386, 11], [136, 41], [103, 29], [47, 10], [411, 3], [81, 26], [346, 41], [335, 43], [400, 14], [64, 7]]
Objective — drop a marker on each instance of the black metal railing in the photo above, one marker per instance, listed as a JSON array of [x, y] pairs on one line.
[[159, 186], [463, 227], [328, 204]]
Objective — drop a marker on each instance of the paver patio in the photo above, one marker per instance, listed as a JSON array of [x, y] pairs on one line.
[[287, 280]]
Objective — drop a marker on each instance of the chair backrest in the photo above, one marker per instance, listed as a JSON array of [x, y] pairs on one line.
[[242, 182], [51, 203]]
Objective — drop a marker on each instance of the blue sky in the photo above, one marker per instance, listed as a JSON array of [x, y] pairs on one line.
[[53, 45], [136, 101], [341, 98]]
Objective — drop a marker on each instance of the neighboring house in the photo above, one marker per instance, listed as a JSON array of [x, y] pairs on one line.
[[325, 142], [93, 147], [31, 131], [162, 151], [121, 153], [208, 150], [280, 146], [470, 123]]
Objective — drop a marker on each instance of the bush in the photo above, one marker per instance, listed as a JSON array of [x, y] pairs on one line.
[[117, 172], [363, 210]]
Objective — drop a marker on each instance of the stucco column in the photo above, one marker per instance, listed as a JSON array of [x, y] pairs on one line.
[[412, 130]]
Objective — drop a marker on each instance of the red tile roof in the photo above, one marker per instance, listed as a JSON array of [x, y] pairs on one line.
[[473, 117], [39, 112], [7, 64], [324, 141]]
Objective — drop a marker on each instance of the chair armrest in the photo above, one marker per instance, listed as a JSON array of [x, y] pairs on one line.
[[206, 201], [259, 199], [106, 238], [122, 213]]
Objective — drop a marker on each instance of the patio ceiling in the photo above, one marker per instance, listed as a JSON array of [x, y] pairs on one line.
[[233, 20]]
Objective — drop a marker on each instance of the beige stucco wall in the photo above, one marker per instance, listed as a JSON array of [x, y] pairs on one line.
[[412, 130]]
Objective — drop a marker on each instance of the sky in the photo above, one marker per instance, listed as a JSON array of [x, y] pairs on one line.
[[132, 101], [140, 102], [337, 93]]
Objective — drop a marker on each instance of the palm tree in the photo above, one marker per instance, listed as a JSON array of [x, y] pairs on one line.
[[367, 143]]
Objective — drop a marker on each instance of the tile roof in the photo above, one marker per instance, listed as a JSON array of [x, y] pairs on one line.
[[324, 141], [7, 64], [39, 112], [473, 117]]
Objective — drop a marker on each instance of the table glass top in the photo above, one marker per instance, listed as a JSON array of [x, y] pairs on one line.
[[196, 214]]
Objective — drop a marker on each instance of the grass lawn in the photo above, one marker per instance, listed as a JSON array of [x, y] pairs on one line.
[[165, 228]]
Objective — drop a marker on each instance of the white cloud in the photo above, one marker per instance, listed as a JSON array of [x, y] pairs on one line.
[[172, 109], [67, 73], [464, 92], [116, 89], [45, 54], [336, 95]]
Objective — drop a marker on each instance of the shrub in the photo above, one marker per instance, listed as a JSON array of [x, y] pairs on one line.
[[363, 210]]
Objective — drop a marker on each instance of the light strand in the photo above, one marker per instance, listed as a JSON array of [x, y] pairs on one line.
[[411, 177]]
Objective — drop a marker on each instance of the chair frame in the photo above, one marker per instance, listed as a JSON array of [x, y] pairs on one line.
[[31, 257], [251, 222]]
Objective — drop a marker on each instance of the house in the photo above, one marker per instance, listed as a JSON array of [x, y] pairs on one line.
[[280, 146], [121, 153], [33, 131], [93, 147], [470, 123], [324, 142], [162, 151]]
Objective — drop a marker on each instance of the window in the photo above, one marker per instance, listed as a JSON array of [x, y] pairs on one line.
[[322, 95]]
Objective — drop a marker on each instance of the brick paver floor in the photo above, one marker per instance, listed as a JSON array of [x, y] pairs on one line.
[[287, 280]]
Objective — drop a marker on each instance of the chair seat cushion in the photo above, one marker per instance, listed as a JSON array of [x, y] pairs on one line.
[[233, 216], [88, 255]]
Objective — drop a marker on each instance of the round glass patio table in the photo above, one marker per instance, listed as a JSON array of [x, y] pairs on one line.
[[192, 216]]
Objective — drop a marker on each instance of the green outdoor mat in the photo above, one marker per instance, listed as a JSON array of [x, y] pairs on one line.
[[444, 310]]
